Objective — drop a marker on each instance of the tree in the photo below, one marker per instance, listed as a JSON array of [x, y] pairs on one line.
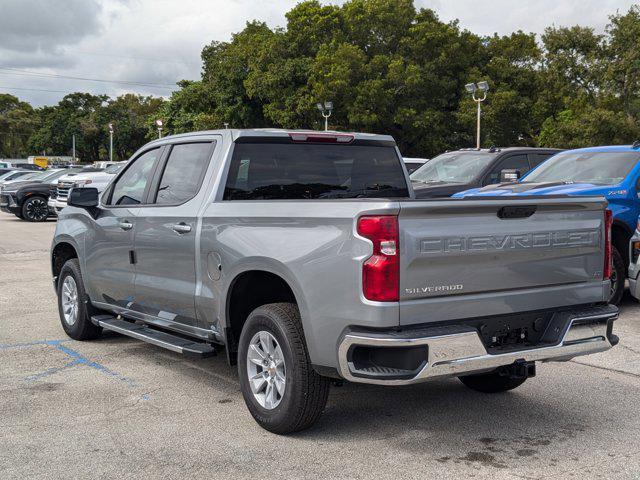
[[17, 123], [622, 53], [87, 117]]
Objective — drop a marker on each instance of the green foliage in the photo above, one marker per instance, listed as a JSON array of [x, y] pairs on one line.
[[17, 123], [388, 68], [87, 117]]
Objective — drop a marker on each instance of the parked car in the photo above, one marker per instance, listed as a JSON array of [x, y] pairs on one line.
[[413, 163], [305, 256], [14, 174], [612, 172], [31, 176], [28, 199], [21, 164], [634, 263], [460, 170], [96, 177]]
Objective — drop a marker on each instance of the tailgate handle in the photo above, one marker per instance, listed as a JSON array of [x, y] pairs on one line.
[[521, 211]]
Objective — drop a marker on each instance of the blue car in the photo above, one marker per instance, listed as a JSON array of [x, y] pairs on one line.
[[612, 172]]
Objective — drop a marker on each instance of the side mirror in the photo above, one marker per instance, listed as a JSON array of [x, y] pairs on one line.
[[84, 197], [509, 175]]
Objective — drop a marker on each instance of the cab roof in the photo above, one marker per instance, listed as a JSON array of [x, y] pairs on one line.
[[274, 133], [607, 148]]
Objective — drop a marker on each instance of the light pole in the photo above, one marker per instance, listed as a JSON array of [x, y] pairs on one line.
[[73, 148], [326, 111], [472, 88], [159, 125], [111, 142]]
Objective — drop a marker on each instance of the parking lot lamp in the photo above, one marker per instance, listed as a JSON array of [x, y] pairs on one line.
[[326, 111], [159, 125], [111, 142], [481, 89]]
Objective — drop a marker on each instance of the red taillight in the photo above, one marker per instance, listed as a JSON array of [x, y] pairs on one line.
[[608, 260], [381, 271]]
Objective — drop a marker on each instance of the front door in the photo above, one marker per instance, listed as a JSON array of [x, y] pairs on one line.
[[166, 231], [109, 258]]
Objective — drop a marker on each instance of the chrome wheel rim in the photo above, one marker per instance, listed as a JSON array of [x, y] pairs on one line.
[[266, 370], [37, 209], [70, 300]]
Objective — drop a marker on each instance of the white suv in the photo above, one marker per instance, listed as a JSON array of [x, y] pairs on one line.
[[98, 179]]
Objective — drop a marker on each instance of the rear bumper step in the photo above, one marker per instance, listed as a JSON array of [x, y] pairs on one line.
[[155, 337], [456, 350]]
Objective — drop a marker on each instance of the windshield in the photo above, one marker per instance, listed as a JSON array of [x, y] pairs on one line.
[[30, 176], [10, 175], [453, 167], [598, 168]]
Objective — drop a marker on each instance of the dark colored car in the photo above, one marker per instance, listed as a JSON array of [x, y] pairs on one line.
[[460, 170], [28, 200]]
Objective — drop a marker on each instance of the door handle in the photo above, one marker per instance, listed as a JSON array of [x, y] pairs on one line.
[[181, 228], [125, 225]]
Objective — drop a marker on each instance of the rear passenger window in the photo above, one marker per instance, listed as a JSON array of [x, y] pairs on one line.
[[276, 171], [183, 173]]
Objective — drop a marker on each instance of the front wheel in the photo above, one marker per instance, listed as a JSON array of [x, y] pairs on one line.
[[280, 387], [74, 306], [35, 209], [618, 274]]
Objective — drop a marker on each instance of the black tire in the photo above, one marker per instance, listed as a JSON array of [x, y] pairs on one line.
[[82, 328], [305, 394], [491, 382], [618, 276], [35, 209]]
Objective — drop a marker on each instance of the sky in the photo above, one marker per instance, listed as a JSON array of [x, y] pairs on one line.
[[148, 45]]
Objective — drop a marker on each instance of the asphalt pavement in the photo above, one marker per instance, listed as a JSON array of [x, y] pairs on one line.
[[119, 408]]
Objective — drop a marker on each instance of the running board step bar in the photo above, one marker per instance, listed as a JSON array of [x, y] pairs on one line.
[[155, 337]]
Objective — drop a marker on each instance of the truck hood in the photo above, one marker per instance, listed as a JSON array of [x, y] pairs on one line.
[[14, 185], [95, 177], [547, 188], [437, 190]]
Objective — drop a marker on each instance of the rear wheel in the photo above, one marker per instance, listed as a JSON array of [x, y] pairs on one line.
[[492, 382], [74, 306], [35, 209], [617, 279], [280, 387]]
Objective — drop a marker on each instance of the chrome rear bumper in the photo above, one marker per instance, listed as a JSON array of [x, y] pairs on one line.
[[458, 350]]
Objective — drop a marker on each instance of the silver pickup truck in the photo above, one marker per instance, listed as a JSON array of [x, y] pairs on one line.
[[305, 257]]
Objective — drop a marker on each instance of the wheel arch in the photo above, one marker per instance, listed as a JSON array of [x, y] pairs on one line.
[[61, 252], [620, 236], [250, 288]]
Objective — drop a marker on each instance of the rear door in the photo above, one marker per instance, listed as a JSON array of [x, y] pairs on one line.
[[484, 257], [165, 244]]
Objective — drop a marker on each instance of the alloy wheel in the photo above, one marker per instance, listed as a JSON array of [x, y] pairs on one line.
[[37, 209], [70, 300], [266, 370]]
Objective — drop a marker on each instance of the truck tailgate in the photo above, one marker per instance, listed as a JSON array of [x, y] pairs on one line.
[[474, 257]]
